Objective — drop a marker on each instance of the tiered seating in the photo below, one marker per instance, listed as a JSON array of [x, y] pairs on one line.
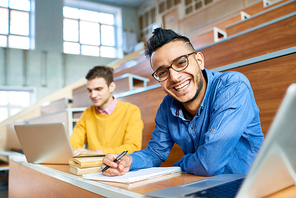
[[124, 83], [259, 7], [56, 111], [55, 106], [214, 31], [219, 23], [217, 30], [210, 36], [80, 97], [269, 37], [50, 113], [141, 68], [262, 17]]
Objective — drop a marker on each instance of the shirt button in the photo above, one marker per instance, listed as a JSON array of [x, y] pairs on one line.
[[211, 129], [192, 128], [196, 147]]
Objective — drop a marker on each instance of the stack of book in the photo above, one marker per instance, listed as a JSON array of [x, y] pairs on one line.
[[86, 164]]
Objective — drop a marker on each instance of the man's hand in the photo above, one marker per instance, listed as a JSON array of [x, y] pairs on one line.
[[84, 151], [119, 168]]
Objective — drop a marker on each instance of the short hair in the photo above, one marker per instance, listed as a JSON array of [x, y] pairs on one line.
[[161, 37], [101, 71]]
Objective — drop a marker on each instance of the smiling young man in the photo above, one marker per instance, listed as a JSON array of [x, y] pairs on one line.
[[108, 126], [212, 116]]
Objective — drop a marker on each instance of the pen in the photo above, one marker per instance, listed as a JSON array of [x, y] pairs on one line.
[[117, 158]]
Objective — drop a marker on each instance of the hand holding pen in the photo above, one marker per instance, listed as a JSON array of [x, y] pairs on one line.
[[116, 159], [119, 168]]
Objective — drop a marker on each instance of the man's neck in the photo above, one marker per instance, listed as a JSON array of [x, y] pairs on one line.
[[105, 105]]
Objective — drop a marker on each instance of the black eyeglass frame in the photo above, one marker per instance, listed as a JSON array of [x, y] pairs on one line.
[[171, 66]]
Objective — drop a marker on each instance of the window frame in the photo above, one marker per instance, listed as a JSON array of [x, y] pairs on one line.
[[30, 90], [101, 8], [30, 26]]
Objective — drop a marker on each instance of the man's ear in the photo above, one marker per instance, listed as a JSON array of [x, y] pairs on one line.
[[200, 60], [112, 86]]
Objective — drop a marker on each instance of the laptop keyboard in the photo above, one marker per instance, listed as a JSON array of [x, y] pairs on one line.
[[227, 190]]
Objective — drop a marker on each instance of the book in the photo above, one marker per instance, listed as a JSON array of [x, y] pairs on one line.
[[79, 171], [86, 161], [134, 176]]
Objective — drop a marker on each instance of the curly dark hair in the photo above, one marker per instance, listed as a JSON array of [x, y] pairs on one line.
[[161, 37]]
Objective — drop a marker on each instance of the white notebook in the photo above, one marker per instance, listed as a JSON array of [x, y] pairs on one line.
[[134, 176]]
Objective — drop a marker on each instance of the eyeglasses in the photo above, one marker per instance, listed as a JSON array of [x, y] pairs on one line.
[[179, 64]]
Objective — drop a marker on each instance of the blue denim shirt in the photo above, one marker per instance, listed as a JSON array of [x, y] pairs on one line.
[[223, 137]]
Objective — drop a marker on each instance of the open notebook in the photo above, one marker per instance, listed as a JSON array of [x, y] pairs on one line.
[[273, 169], [136, 175]]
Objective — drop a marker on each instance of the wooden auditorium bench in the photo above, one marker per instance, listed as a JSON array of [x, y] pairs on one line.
[[58, 111], [262, 17], [270, 75], [59, 116], [220, 23], [232, 18], [125, 82], [259, 7], [269, 37], [131, 62], [141, 68], [55, 106], [128, 82], [207, 37], [80, 97]]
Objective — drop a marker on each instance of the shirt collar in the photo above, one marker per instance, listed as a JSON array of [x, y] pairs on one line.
[[108, 110]]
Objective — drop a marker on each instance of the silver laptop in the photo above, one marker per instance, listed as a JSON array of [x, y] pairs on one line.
[[45, 143], [273, 169]]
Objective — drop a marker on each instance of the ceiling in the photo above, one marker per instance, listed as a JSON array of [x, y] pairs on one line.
[[124, 3]]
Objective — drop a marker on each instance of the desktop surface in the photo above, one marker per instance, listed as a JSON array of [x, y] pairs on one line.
[[56, 177]]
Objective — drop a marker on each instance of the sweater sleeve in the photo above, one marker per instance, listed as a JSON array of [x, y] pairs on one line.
[[78, 137], [132, 140]]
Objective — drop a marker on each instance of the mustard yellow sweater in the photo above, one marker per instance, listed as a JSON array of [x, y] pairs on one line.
[[122, 130]]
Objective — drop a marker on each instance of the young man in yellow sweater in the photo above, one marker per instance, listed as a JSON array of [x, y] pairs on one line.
[[108, 126]]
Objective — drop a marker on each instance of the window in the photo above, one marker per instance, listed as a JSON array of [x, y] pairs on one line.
[[89, 32], [13, 101], [15, 24]]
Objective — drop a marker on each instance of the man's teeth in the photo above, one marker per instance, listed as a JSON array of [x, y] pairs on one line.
[[182, 86]]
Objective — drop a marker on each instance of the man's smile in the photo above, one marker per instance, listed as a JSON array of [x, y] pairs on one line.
[[182, 86]]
